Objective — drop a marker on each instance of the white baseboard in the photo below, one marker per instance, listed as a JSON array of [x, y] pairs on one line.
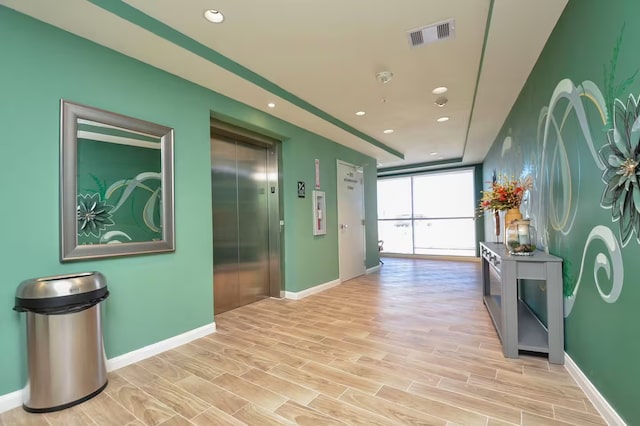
[[313, 290], [599, 402], [159, 347], [14, 399], [373, 269], [10, 401]]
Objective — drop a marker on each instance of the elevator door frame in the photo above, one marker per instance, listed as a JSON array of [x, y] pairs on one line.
[[229, 132]]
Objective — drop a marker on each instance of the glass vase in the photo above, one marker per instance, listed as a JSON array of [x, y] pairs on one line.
[[521, 238], [510, 216]]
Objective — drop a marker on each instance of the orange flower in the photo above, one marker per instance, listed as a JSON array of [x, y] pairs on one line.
[[504, 194]]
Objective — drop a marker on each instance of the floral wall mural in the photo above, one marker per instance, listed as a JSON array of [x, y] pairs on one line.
[[575, 132]]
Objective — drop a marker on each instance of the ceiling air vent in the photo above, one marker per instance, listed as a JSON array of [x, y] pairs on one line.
[[432, 33]]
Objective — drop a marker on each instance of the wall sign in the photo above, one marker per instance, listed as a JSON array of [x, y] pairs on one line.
[[301, 189], [317, 174]]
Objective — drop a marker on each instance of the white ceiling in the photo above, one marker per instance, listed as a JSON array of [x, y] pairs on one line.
[[328, 54]]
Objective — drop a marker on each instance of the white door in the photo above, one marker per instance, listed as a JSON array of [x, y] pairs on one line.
[[351, 250]]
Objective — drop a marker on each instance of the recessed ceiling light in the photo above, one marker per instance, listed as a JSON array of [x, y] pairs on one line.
[[360, 113], [271, 105], [388, 131], [213, 16], [439, 90], [434, 153], [442, 119]]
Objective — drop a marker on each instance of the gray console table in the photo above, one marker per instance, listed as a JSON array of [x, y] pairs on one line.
[[517, 327]]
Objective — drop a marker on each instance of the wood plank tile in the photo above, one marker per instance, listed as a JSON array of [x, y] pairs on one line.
[[308, 380], [147, 409], [392, 411], [529, 419], [191, 350], [337, 376], [217, 361], [373, 373], [278, 356], [560, 388], [558, 374], [229, 340], [348, 413], [104, 410], [577, 417], [303, 353], [467, 402], [254, 415], [479, 358], [432, 407], [213, 394], [279, 337], [248, 359], [177, 421], [391, 368], [249, 337], [136, 375], [299, 330], [295, 392], [179, 400], [193, 366], [454, 364], [539, 392], [115, 381], [73, 416], [411, 341], [257, 395], [496, 422], [349, 347], [372, 344], [164, 368], [301, 415], [19, 417], [490, 394], [437, 367], [213, 416], [329, 351]]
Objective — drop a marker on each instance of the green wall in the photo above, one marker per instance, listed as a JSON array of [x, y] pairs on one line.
[[560, 131], [319, 263], [153, 297]]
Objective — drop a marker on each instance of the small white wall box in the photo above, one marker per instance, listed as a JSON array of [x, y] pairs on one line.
[[319, 213]]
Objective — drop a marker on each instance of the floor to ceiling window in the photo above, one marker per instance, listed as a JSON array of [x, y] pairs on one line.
[[431, 213]]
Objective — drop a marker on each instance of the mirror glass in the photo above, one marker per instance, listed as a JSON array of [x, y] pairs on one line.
[[117, 184]]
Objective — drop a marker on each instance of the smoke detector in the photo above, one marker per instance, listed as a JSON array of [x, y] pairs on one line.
[[441, 101], [384, 76]]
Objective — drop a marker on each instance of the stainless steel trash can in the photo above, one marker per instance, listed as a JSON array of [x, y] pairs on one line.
[[66, 359]]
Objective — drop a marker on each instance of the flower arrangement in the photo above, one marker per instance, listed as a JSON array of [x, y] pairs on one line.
[[505, 194]]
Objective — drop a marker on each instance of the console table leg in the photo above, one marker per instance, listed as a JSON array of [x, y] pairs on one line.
[[509, 310], [555, 313]]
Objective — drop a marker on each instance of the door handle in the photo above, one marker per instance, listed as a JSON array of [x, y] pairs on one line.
[[343, 226]]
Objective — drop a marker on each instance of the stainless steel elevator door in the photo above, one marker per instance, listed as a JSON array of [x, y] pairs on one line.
[[239, 190]]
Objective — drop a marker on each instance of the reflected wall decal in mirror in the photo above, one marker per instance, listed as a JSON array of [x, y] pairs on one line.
[[116, 175]]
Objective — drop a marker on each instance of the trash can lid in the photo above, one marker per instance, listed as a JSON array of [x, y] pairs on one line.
[[60, 285]]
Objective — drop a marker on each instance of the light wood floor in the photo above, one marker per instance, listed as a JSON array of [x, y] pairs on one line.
[[412, 344]]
